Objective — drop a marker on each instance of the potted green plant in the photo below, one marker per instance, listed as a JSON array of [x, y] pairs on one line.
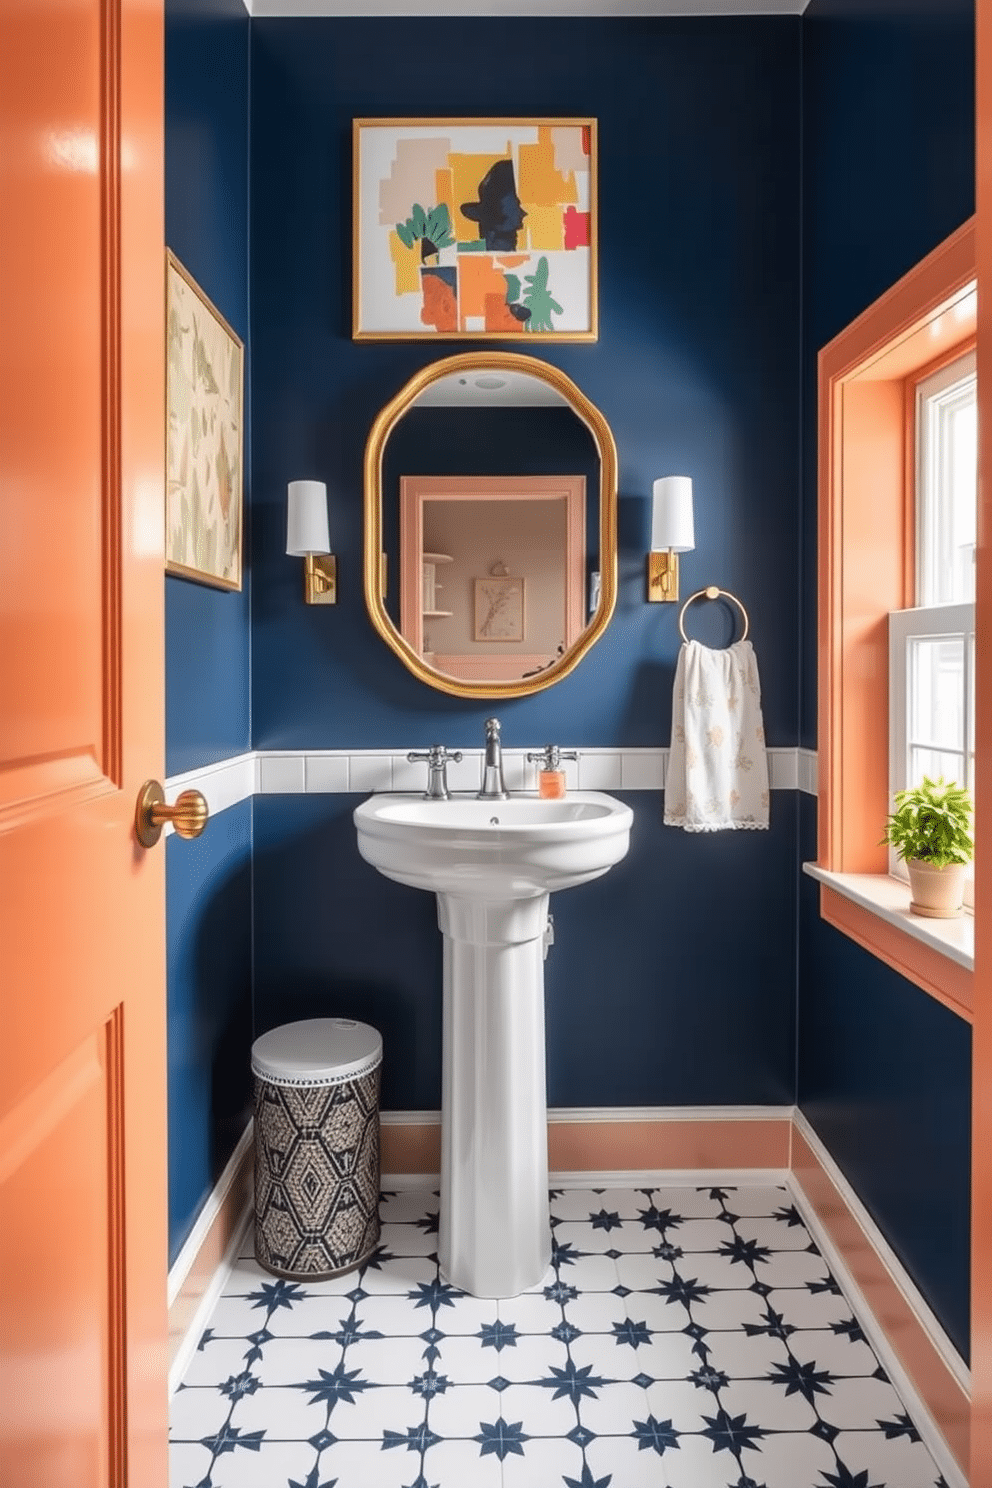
[[931, 830]]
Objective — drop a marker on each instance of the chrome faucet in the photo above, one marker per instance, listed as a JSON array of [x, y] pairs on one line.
[[493, 788], [437, 758]]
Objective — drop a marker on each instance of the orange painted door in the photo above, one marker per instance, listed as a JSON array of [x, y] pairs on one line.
[[82, 962]]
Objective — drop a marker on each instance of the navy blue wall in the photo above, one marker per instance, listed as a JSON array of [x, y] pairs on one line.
[[888, 172], [207, 635], [697, 370]]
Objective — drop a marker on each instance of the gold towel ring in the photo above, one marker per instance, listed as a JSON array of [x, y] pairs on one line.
[[712, 592]]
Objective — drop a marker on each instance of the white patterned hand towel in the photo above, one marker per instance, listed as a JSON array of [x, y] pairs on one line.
[[717, 767]]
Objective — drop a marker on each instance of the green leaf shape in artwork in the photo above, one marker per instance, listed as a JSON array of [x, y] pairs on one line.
[[539, 300], [512, 288], [932, 822], [433, 226]]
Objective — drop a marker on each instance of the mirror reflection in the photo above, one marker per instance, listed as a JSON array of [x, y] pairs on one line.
[[491, 519]]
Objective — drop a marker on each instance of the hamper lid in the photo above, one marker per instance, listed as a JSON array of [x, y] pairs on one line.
[[316, 1051]]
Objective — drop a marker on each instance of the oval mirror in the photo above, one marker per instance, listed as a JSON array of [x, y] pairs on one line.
[[490, 524]]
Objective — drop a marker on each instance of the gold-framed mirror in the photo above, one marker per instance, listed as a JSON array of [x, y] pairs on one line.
[[490, 524]]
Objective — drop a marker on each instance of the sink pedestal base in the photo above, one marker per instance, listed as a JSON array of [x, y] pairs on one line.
[[495, 1230]]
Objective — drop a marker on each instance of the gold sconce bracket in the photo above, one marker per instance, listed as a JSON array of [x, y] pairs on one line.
[[663, 577], [320, 578]]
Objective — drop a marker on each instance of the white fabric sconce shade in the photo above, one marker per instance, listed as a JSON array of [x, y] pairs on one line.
[[306, 526], [672, 532], [671, 515], [308, 537]]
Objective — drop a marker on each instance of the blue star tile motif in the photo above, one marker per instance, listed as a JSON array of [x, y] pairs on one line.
[[498, 1335], [613, 1255], [655, 1436], [825, 1432], [432, 1337], [708, 1378], [901, 1426], [659, 1219], [499, 1384], [746, 1482], [564, 1255], [421, 1482], [774, 1325], [273, 1294], [682, 1289], [730, 1433], [376, 1259], [429, 1384], [666, 1251], [350, 1332], [829, 1285], [561, 1292], [335, 1385], [205, 1338], [802, 1379], [643, 1381], [322, 1440], [845, 1478], [229, 1438], [606, 1220], [587, 1480], [696, 1331], [761, 1287], [414, 1438], [631, 1333], [434, 1294], [357, 1294], [240, 1385], [744, 1252], [620, 1291], [565, 1332], [572, 1381], [851, 1329], [581, 1436], [257, 1340], [789, 1215], [500, 1438], [880, 1374], [313, 1480], [428, 1223]]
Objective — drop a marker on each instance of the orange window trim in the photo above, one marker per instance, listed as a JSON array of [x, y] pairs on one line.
[[867, 377]]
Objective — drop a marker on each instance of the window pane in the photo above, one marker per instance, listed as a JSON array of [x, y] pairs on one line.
[[936, 692], [947, 484], [935, 762]]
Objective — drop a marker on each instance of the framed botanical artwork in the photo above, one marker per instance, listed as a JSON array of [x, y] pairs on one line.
[[499, 609], [204, 443], [480, 229]]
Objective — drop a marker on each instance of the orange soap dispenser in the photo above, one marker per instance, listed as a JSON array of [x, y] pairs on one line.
[[551, 777]]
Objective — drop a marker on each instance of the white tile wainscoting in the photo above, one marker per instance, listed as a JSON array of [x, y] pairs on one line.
[[360, 771]]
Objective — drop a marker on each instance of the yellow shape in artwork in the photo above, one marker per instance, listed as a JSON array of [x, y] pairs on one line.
[[466, 173], [444, 191], [543, 227], [540, 181], [406, 262]]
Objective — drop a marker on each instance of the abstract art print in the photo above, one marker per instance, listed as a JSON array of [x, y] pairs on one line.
[[499, 609], [204, 381], [482, 229]]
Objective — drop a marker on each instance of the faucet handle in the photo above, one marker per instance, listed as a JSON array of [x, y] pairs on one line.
[[550, 757], [436, 756]]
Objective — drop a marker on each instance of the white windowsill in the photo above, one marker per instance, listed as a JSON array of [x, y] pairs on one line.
[[889, 899]]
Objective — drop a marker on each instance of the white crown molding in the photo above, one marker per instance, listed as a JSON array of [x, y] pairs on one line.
[[618, 9]]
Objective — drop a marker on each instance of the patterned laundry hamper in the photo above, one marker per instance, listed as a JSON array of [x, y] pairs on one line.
[[316, 1147]]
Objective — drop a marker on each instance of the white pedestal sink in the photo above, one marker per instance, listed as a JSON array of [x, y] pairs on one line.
[[492, 865]]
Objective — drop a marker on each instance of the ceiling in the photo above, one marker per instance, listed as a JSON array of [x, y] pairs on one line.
[[502, 8]]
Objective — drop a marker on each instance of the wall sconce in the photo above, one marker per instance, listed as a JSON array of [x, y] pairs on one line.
[[672, 533], [307, 537]]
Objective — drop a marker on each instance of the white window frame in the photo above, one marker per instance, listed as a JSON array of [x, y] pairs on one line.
[[929, 621]]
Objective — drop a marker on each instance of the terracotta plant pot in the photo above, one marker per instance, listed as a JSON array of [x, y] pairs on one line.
[[938, 893]]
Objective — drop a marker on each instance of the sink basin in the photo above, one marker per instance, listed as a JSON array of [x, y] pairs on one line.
[[510, 849], [492, 865]]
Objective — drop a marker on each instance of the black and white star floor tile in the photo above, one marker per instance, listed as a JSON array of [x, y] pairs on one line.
[[682, 1338]]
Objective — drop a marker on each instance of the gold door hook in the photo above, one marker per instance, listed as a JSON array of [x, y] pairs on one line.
[[188, 816]]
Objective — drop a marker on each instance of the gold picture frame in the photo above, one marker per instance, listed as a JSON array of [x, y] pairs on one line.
[[499, 613], [475, 229], [204, 436]]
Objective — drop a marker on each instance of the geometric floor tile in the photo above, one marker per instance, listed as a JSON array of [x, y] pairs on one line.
[[681, 1338]]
